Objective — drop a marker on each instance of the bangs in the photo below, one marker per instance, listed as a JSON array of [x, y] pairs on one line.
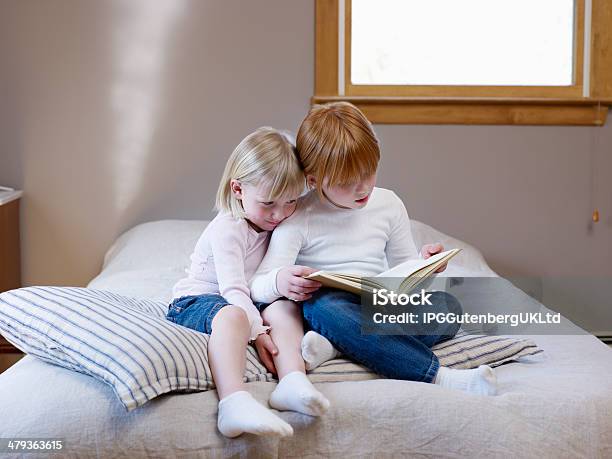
[[346, 169], [283, 179], [348, 160]]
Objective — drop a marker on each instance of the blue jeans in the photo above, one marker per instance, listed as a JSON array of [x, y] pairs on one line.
[[336, 315], [198, 311]]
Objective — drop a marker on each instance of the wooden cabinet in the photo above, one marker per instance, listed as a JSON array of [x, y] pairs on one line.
[[10, 261]]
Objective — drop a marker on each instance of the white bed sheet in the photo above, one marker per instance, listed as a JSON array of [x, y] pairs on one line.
[[555, 406]]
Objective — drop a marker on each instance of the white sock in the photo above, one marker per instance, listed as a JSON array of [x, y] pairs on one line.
[[295, 392], [317, 349], [239, 412], [481, 380]]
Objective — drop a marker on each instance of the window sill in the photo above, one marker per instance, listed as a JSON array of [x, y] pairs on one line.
[[453, 110]]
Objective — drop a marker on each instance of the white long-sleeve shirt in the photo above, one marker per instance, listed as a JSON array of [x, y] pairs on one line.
[[224, 259], [322, 236]]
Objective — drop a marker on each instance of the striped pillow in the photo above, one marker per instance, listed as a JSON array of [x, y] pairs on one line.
[[471, 351], [124, 342], [128, 344], [464, 351]]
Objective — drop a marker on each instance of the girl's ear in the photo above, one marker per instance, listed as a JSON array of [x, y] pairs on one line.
[[236, 188], [311, 181]]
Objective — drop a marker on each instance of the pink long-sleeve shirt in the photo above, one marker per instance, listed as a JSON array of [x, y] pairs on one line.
[[225, 258]]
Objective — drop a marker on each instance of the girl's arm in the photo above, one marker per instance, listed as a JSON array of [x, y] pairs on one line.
[[229, 250], [285, 245]]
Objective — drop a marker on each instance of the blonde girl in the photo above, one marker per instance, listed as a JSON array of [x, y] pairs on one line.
[[259, 188]]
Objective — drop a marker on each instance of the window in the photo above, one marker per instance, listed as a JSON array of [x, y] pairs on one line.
[[440, 42], [467, 61]]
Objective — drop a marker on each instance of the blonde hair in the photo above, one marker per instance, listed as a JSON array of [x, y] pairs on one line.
[[265, 157], [336, 143]]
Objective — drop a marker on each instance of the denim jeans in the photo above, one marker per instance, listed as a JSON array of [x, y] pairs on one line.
[[198, 311], [336, 315]]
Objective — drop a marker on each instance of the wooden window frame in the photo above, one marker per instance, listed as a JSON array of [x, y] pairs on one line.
[[522, 105]]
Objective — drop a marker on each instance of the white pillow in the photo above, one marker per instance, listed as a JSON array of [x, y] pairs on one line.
[[148, 259], [168, 243], [469, 262]]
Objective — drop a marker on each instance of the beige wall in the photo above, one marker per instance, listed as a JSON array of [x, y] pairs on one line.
[[113, 114], [125, 111]]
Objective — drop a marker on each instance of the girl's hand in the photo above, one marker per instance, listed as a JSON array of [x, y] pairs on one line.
[[291, 284], [431, 249], [266, 349]]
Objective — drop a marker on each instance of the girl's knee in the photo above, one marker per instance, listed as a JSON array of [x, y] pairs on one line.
[[233, 315], [281, 308]]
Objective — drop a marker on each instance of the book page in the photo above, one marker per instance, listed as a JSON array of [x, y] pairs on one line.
[[410, 267]]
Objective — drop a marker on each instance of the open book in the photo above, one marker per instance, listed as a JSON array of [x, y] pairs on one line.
[[402, 278]]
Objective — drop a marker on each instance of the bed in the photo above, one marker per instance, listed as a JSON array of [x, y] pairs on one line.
[[555, 405]]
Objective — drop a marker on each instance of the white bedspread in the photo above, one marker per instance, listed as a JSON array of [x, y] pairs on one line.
[[554, 406]]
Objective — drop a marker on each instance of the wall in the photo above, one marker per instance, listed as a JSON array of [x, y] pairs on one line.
[[121, 112], [116, 112]]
